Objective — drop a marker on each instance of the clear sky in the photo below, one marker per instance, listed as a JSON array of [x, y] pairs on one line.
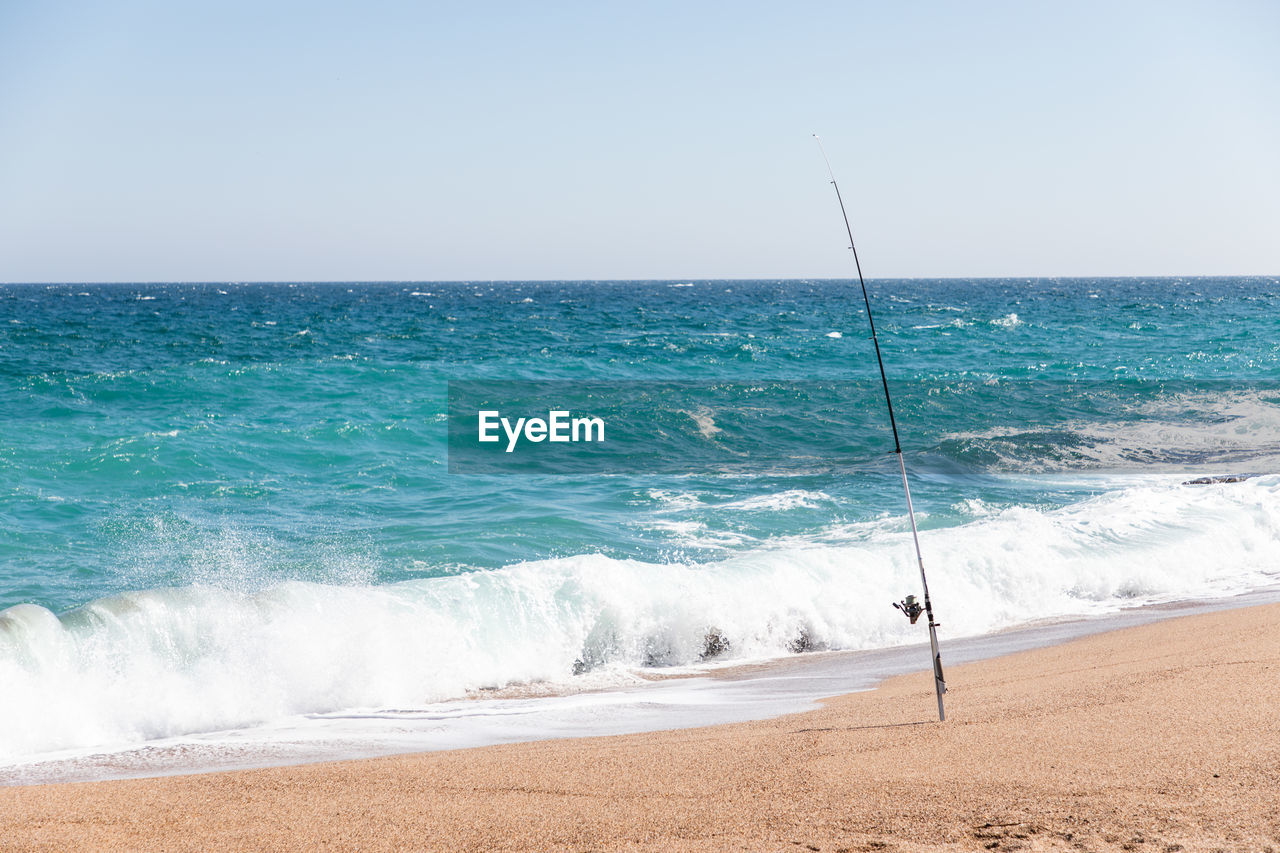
[[235, 140]]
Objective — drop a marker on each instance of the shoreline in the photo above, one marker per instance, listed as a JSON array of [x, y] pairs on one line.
[[1145, 738], [718, 695]]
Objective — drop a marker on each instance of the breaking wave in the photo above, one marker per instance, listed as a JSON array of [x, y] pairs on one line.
[[165, 662]]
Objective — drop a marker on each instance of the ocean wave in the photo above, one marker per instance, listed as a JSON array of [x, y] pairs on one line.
[[164, 662], [1182, 428]]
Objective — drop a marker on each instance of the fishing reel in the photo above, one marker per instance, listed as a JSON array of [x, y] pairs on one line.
[[910, 608]]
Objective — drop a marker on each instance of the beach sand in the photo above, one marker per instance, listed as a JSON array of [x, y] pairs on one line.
[[1162, 737]]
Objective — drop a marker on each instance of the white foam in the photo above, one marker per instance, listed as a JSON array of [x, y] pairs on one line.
[[706, 424], [675, 500], [781, 501]]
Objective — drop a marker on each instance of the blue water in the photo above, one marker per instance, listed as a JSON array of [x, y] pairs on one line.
[[225, 503]]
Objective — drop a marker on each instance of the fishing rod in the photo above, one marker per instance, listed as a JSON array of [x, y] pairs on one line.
[[909, 605]]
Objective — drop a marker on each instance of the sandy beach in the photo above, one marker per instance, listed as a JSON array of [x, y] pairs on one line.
[[1161, 737]]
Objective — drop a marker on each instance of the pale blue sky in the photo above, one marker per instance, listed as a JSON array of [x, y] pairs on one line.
[[230, 140]]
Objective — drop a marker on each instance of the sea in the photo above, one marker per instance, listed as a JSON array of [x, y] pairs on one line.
[[229, 506]]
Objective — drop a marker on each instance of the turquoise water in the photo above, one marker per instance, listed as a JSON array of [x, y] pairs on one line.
[[224, 503]]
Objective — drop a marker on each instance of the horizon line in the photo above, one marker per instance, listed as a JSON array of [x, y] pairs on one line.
[[242, 282]]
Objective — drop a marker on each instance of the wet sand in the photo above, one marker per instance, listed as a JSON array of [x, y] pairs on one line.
[[1160, 737]]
